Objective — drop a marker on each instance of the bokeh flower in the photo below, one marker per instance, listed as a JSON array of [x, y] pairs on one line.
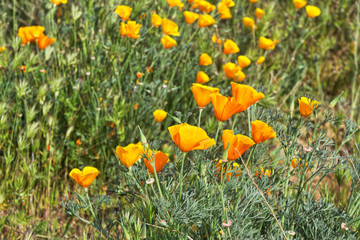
[[175, 3], [30, 34], [190, 17], [188, 137], [261, 131], [84, 177], [243, 61], [312, 11], [299, 3], [306, 106], [58, 2], [238, 144], [266, 43], [206, 6], [205, 20], [168, 42], [44, 41], [202, 77], [202, 94], [249, 22], [228, 3], [205, 59], [260, 60], [259, 13], [130, 29], [156, 20], [224, 11], [130, 154], [216, 40], [169, 27], [159, 115], [124, 12], [225, 107], [230, 47], [233, 71]]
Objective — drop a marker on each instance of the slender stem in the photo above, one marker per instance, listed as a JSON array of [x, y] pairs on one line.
[[355, 92], [217, 131], [233, 125], [90, 205], [200, 112], [181, 174], [157, 179], [249, 121]]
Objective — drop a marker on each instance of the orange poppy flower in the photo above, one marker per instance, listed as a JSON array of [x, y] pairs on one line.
[[228, 3], [225, 107], [234, 169], [215, 39], [202, 77], [261, 131], [260, 60], [245, 95], [160, 160], [43, 41], [205, 20], [249, 22], [130, 29], [205, 6], [168, 42], [159, 115], [130, 154], [233, 71], [78, 142], [253, 1], [169, 27], [296, 162], [124, 12], [84, 177], [22, 68], [243, 61], [136, 106], [266, 43], [175, 3], [312, 11], [261, 173], [189, 138], [230, 47], [202, 94], [190, 17], [238, 144], [30, 34], [306, 106], [156, 20], [58, 2], [224, 11], [205, 59], [299, 3], [259, 13]]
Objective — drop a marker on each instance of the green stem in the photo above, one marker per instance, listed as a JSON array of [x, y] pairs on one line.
[[136, 182], [217, 131], [181, 174], [90, 205], [200, 112], [249, 121], [233, 125], [157, 180]]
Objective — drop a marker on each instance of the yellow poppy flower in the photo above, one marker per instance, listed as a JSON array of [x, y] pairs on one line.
[[306, 106], [190, 17], [238, 144], [230, 47], [205, 6], [260, 60], [205, 20], [243, 61], [84, 177], [130, 154], [228, 3], [312, 11], [189, 138], [249, 22], [202, 77], [156, 20], [124, 12], [202, 94], [169, 27], [159, 115], [299, 3], [168, 42], [160, 159], [130, 29], [58, 2], [224, 11], [259, 13], [233, 71], [205, 59], [266, 43], [215, 39], [261, 131]]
